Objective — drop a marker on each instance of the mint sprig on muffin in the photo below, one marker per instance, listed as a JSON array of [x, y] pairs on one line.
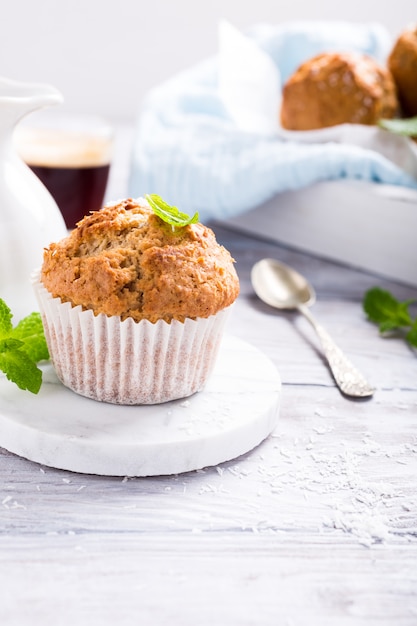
[[170, 214]]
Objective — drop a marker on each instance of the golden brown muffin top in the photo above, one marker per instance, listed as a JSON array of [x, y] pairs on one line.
[[124, 260], [337, 88]]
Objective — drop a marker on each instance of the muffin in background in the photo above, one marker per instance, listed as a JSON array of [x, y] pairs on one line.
[[402, 63], [134, 308], [337, 88]]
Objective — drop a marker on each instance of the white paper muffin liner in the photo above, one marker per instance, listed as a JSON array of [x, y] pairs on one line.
[[127, 362]]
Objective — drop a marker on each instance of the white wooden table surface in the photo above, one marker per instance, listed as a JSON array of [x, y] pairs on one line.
[[317, 526]]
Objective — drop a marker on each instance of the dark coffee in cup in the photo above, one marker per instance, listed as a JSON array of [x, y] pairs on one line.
[[69, 184], [73, 165]]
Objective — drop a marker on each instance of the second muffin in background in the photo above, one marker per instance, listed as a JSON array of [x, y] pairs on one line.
[[338, 88], [134, 307], [402, 62]]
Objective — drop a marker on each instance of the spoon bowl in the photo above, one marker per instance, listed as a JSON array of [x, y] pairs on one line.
[[282, 287]]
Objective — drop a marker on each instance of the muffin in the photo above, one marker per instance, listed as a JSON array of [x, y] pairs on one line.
[[403, 65], [334, 88], [133, 307]]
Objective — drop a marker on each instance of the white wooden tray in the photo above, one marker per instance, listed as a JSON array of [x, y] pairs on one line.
[[366, 225]]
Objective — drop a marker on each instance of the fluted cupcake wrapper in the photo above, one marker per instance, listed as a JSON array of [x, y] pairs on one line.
[[128, 362]]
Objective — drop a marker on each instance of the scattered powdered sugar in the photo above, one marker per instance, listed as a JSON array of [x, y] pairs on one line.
[[367, 526], [10, 503], [337, 480]]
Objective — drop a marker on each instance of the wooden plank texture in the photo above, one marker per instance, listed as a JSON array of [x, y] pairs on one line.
[[317, 525]]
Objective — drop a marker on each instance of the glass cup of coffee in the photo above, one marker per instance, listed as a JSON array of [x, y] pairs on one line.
[[71, 155]]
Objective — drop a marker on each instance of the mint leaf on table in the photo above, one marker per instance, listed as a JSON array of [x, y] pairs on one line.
[[18, 367], [406, 127], [30, 331], [21, 348], [411, 336], [390, 314], [5, 319], [169, 214], [384, 309]]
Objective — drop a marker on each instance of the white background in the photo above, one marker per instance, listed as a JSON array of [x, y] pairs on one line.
[[104, 55]]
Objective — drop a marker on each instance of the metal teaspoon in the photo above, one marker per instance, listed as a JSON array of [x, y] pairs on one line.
[[282, 287]]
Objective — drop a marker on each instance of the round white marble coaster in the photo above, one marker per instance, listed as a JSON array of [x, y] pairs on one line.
[[237, 409]]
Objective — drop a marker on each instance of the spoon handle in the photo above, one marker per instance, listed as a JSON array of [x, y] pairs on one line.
[[348, 378]]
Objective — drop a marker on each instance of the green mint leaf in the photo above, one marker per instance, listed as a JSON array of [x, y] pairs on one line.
[[9, 343], [20, 369], [5, 319], [401, 127], [169, 214], [411, 336], [30, 332], [21, 348], [384, 309]]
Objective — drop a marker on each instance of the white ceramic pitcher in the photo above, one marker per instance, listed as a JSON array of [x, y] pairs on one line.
[[29, 217]]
